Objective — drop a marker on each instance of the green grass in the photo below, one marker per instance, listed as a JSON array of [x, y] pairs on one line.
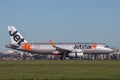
[[60, 70]]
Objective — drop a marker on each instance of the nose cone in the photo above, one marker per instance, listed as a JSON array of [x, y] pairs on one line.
[[110, 50]]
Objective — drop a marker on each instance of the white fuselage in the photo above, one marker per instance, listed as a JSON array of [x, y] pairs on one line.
[[43, 48]]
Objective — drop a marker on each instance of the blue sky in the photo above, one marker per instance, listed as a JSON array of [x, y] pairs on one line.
[[62, 20]]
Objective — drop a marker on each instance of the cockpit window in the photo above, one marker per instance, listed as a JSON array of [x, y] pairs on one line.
[[106, 46]]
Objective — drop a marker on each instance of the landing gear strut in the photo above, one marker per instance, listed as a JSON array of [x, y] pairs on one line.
[[63, 56]]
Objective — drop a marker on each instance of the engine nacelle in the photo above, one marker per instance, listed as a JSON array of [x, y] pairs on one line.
[[75, 55]]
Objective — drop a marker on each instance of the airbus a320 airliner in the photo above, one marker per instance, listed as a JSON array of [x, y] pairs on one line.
[[64, 49]]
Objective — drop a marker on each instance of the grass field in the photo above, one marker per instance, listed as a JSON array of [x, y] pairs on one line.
[[60, 70]]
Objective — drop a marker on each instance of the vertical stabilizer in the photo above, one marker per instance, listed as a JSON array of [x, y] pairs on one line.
[[15, 36]]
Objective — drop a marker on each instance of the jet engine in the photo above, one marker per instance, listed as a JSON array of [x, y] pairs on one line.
[[75, 55]]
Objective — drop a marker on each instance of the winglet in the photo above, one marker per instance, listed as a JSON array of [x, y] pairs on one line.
[[52, 43]]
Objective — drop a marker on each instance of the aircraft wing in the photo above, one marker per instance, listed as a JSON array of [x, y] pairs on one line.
[[62, 51]]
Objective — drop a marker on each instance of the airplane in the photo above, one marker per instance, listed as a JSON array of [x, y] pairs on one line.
[[74, 50]]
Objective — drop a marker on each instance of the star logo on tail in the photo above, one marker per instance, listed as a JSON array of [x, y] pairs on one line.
[[94, 46], [26, 46]]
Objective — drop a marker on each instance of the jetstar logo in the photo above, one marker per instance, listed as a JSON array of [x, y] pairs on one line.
[[26, 46], [85, 46], [16, 37]]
